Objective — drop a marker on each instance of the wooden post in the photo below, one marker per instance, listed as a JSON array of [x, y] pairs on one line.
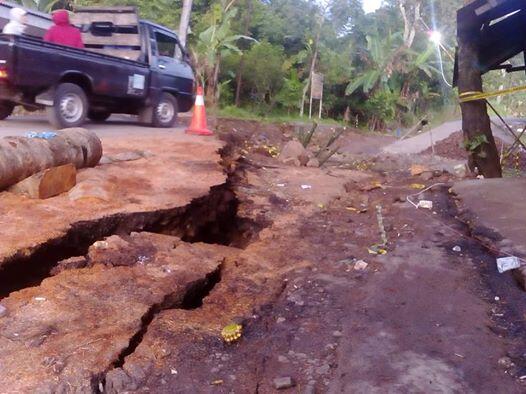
[[185, 21], [321, 104], [475, 120], [310, 106]]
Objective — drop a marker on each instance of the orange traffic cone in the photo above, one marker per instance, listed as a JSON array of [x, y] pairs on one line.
[[198, 125]]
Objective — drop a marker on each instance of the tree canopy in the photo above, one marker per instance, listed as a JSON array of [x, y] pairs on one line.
[[379, 68]]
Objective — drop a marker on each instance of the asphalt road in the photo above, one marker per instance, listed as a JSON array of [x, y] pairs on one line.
[[116, 125]]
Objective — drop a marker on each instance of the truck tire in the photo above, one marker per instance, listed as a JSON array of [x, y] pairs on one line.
[[99, 116], [165, 113], [6, 109], [70, 106]]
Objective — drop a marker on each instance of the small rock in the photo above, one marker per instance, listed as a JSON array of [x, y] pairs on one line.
[[310, 389], [294, 151], [337, 334], [69, 264], [325, 368], [506, 362], [280, 320], [126, 156], [314, 163], [291, 161], [105, 160], [91, 189], [283, 359], [427, 176], [283, 383]]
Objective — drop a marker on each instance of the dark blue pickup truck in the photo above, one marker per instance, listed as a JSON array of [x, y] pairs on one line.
[[129, 66]]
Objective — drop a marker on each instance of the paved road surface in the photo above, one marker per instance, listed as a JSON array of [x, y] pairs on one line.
[[116, 125], [422, 141]]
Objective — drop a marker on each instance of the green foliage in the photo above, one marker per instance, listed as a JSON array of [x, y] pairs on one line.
[[475, 143], [289, 97], [369, 74], [264, 71]]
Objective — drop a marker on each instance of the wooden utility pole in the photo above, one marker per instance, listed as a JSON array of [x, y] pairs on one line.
[[185, 21], [476, 124]]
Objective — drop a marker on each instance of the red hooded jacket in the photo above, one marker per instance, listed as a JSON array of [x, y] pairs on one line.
[[63, 32]]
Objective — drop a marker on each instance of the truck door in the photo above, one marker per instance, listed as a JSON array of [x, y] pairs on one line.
[[174, 73]]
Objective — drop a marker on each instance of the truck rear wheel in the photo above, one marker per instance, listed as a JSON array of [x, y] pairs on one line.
[[6, 109], [70, 106], [165, 113], [99, 116]]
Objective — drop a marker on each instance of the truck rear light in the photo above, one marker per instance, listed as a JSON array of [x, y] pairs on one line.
[[3, 73]]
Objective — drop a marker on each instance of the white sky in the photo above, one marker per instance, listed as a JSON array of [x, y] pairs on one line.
[[371, 5]]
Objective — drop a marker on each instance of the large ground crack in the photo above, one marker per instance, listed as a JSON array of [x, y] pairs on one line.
[[193, 299], [210, 219]]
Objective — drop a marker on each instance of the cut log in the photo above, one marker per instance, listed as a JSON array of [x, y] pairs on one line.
[[22, 157], [48, 183]]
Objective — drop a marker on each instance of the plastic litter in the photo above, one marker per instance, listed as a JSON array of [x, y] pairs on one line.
[[425, 204], [232, 332], [377, 250], [360, 265], [306, 187], [45, 135], [457, 249], [508, 263]]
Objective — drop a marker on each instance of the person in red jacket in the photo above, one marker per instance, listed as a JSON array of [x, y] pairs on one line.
[[62, 32]]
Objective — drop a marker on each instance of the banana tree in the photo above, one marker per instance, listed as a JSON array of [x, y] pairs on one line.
[[213, 44], [380, 60]]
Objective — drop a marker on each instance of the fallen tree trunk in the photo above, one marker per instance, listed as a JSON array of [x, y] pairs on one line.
[[21, 157]]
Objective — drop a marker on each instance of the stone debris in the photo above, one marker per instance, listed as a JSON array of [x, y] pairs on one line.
[[68, 264], [294, 150], [283, 383], [314, 163], [92, 189]]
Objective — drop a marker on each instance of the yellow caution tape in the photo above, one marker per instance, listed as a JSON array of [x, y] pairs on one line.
[[475, 96]]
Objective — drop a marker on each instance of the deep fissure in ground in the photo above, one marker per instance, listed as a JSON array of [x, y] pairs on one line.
[[210, 219]]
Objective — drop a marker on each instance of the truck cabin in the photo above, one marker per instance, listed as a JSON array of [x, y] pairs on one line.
[[115, 31]]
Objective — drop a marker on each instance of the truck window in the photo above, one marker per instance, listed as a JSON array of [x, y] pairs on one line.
[[166, 45]]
